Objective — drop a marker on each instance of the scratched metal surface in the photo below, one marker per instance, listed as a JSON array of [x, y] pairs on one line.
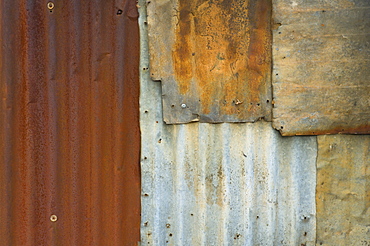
[[213, 59], [221, 184], [69, 128], [321, 53]]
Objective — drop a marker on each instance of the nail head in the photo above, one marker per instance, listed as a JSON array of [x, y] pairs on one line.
[[53, 218], [50, 5]]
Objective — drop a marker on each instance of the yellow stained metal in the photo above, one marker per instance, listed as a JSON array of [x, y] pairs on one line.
[[343, 190], [213, 58], [321, 67]]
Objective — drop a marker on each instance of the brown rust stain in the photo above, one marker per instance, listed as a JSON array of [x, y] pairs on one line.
[[222, 53], [69, 125], [345, 129], [183, 58], [364, 129]]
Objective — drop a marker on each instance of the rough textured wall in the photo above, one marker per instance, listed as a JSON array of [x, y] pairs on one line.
[[321, 51], [213, 59], [221, 184], [69, 127], [343, 190]]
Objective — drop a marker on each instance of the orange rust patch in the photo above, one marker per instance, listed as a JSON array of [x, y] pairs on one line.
[[222, 54]]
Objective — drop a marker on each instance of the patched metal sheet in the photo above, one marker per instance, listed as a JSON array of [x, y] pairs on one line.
[[321, 73], [222, 184], [213, 59], [343, 190]]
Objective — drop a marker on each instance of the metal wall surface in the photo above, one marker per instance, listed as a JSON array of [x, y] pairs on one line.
[[343, 190], [213, 59], [69, 127], [320, 76], [221, 184]]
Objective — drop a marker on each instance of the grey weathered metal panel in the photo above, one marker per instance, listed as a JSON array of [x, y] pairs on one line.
[[213, 58], [343, 190], [321, 53], [221, 184]]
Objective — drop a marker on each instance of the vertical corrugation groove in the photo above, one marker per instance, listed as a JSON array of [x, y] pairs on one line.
[[69, 123], [5, 170], [221, 184]]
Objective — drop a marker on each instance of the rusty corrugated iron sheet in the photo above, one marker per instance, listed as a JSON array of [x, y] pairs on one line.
[[213, 59], [222, 184], [321, 70], [343, 190], [69, 134]]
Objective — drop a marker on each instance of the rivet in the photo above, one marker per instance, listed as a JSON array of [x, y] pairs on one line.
[[183, 105], [53, 218], [50, 5]]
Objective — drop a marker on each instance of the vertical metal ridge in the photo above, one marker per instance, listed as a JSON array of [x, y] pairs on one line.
[[5, 133], [69, 126], [228, 184]]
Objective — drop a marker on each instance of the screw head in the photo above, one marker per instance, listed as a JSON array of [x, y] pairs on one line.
[[183, 105]]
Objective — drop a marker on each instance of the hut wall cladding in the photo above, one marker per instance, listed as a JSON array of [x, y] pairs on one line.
[[320, 76], [69, 123], [213, 59], [221, 184], [244, 184]]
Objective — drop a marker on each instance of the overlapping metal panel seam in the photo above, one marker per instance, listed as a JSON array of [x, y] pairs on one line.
[[221, 184]]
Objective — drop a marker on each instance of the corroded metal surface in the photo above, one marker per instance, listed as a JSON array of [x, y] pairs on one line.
[[222, 184], [343, 190], [69, 134], [321, 53], [213, 58]]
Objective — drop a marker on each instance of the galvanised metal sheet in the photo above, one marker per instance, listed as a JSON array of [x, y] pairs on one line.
[[321, 53], [221, 184], [213, 59], [343, 190], [69, 128]]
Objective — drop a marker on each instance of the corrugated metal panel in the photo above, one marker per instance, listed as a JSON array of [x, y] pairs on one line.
[[343, 190], [222, 184], [213, 58], [69, 123], [321, 71]]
